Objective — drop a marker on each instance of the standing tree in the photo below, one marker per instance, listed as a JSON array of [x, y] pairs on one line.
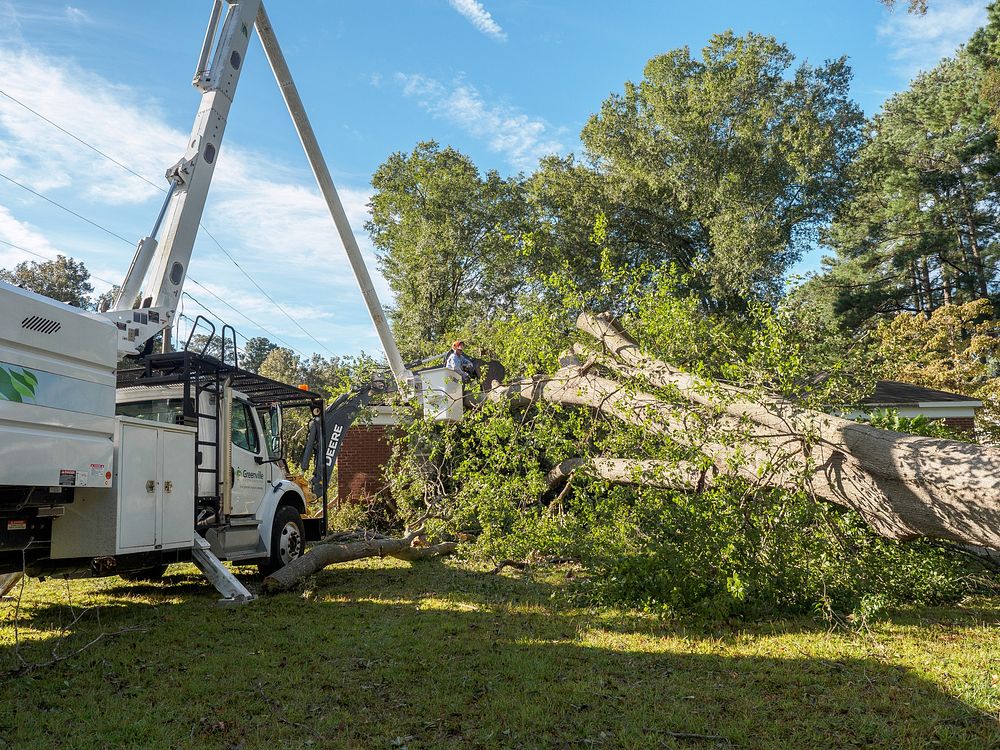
[[734, 160], [255, 352], [448, 240], [919, 230], [62, 279]]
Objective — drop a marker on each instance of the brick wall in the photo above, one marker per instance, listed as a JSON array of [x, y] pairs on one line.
[[360, 463], [962, 424]]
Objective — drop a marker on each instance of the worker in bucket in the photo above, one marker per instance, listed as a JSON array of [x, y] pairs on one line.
[[461, 364]]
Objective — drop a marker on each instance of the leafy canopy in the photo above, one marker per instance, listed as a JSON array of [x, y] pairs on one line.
[[737, 155], [62, 279]]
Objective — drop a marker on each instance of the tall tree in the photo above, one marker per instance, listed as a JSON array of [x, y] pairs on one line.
[[62, 279], [734, 159], [448, 241], [255, 352], [920, 229], [985, 48]]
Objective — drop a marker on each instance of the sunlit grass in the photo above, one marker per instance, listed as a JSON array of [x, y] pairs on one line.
[[381, 654]]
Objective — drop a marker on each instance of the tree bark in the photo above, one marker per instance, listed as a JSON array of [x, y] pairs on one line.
[[330, 553], [650, 473], [904, 485]]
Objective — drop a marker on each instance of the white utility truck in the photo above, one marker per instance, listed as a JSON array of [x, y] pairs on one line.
[[176, 456]]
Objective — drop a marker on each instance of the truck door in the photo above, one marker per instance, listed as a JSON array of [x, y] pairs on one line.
[[249, 477]]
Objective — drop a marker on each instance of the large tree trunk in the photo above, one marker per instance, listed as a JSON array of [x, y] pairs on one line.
[[347, 547], [904, 485]]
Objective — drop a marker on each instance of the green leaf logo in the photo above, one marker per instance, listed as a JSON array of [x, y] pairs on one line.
[[17, 385]]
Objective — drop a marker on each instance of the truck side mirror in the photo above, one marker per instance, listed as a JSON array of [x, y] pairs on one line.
[[274, 424]]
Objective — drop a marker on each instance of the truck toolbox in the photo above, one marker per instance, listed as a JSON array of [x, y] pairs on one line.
[[149, 508]]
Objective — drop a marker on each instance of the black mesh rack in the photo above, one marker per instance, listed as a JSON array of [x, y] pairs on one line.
[[187, 366]]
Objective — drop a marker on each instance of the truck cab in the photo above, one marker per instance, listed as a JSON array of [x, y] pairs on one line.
[[244, 504], [194, 472], [242, 527]]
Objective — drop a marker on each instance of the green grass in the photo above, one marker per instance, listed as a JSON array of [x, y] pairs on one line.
[[387, 655]]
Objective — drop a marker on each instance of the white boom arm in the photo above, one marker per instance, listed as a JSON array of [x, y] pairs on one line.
[[216, 77], [322, 173], [191, 176]]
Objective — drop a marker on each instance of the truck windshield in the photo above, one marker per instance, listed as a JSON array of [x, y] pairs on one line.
[[165, 410]]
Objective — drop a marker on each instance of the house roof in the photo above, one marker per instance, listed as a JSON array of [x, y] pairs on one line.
[[893, 393]]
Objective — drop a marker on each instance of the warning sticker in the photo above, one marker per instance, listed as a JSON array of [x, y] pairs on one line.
[[99, 475], [13, 525], [67, 478]]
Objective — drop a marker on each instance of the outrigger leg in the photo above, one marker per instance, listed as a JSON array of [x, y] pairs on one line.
[[233, 592]]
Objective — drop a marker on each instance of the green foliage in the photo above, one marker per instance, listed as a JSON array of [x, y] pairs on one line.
[[732, 160], [255, 351], [62, 279], [732, 549], [919, 230], [449, 242], [889, 419], [956, 348]]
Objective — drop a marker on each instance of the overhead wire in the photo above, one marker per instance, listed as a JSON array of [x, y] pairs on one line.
[[80, 140], [162, 189], [64, 208], [59, 205], [47, 258]]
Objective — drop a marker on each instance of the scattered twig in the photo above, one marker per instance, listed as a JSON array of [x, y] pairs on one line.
[[526, 565], [695, 736]]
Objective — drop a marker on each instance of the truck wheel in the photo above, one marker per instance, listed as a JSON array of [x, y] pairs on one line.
[[288, 536]]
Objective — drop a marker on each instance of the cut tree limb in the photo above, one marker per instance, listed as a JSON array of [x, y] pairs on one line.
[[905, 485], [650, 473], [343, 548]]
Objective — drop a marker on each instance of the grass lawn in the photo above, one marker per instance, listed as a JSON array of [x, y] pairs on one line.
[[382, 654]]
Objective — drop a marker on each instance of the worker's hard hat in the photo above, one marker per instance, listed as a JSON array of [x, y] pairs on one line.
[[457, 344]]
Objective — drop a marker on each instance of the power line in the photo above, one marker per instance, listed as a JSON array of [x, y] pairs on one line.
[[238, 312], [67, 210], [268, 296], [123, 239], [50, 260], [161, 189], [80, 140]]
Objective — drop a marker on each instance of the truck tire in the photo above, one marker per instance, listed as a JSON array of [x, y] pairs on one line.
[[288, 536]]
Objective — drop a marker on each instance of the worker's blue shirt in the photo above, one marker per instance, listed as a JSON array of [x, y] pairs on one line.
[[461, 364]]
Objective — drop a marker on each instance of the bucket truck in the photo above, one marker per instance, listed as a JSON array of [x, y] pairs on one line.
[[107, 470]]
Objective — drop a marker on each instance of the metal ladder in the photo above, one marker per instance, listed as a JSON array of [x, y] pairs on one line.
[[233, 592]]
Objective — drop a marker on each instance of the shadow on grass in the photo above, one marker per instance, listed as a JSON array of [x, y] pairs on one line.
[[437, 656]]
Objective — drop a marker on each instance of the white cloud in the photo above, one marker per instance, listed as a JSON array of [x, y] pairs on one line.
[[479, 17], [522, 139], [76, 16], [15, 16], [267, 214], [918, 42], [23, 235], [46, 158]]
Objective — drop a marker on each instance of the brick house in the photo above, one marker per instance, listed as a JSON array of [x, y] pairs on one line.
[[364, 455], [955, 410]]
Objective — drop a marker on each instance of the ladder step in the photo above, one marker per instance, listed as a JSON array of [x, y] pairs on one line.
[[8, 581]]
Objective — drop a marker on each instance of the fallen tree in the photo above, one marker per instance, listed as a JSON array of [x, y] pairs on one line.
[[904, 486], [344, 547]]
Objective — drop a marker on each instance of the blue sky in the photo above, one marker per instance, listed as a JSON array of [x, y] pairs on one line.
[[505, 81]]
